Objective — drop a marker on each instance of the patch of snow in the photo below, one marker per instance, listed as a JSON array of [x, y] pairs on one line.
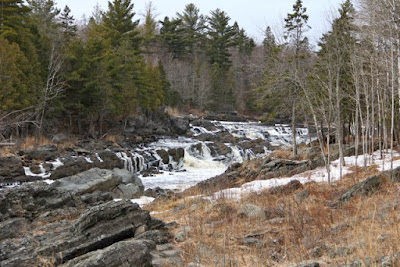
[[48, 181], [143, 200], [318, 175]]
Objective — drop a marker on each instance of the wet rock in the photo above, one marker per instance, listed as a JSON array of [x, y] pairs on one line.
[[257, 145], [180, 125], [177, 154], [74, 166], [164, 155], [35, 169], [71, 167], [124, 253], [205, 124], [46, 152], [11, 167], [253, 212]]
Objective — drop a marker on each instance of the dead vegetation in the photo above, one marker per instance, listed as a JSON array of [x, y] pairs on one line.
[[295, 225]]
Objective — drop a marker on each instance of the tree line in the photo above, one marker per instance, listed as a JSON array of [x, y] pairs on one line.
[[348, 88], [114, 66]]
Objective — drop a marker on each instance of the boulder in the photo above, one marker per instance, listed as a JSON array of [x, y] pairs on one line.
[[46, 152], [125, 254], [89, 181], [69, 225], [180, 125], [11, 167], [177, 154], [364, 188], [72, 166], [163, 155]]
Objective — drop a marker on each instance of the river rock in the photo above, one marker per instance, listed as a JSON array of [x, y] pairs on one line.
[[205, 124], [89, 181], [71, 223], [46, 152], [180, 125], [177, 154], [72, 166], [163, 155], [11, 167]]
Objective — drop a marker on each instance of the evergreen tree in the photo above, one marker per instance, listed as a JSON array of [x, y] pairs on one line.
[[67, 24], [149, 27], [118, 23], [295, 27], [193, 26], [220, 39], [15, 89], [12, 16], [171, 35], [269, 45]]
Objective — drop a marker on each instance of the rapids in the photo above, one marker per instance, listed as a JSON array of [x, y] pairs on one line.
[[178, 163]]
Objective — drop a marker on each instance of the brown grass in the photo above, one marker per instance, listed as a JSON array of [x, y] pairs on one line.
[[306, 229]]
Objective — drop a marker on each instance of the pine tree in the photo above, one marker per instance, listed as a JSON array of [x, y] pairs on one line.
[[220, 39], [15, 87], [171, 35], [118, 23], [269, 45], [67, 24], [193, 26], [12, 15]]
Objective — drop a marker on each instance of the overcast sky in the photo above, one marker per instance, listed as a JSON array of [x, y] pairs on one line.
[[252, 15]]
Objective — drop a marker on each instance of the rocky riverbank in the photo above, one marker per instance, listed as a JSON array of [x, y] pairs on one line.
[[76, 221]]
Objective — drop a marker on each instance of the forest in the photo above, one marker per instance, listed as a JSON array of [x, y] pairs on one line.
[[83, 77]]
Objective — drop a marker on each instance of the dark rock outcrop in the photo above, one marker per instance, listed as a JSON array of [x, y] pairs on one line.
[[11, 167], [72, 222]]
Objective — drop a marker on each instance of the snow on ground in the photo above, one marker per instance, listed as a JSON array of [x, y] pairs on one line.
[[317, 175], [143, 200]]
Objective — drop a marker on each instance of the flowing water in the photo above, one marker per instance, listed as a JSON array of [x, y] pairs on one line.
[[178, 163]]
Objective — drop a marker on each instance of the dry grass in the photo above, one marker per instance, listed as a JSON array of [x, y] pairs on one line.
[[32, 142], [295, 229]]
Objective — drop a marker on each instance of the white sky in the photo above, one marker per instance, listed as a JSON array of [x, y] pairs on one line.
[[252, 15]]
